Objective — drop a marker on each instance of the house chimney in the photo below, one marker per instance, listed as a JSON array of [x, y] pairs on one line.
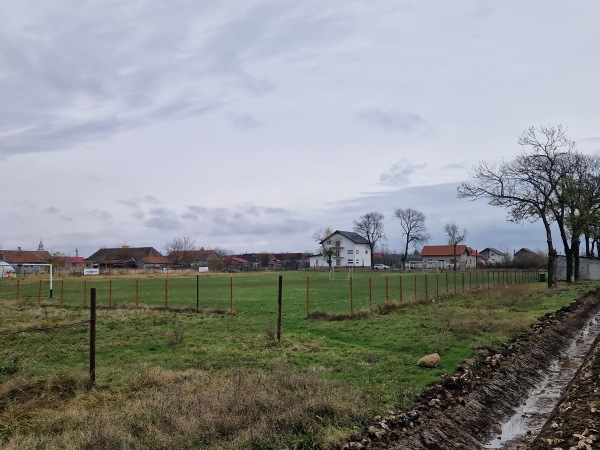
[[19, 248]]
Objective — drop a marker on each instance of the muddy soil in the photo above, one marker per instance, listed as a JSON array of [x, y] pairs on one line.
[[575, 422], [464, 411]]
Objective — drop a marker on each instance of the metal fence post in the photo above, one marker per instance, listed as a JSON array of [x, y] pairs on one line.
[[93, 337]]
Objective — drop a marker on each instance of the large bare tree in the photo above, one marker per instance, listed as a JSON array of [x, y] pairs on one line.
[[180, 250], [526, 186], [370, 227], [413, 227], [455, 236], [320, 236], [577, 206]]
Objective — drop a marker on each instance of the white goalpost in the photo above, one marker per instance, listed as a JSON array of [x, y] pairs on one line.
[[422, 265], [341, 275]]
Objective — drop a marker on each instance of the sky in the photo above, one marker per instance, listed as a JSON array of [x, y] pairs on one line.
[[248, 125]]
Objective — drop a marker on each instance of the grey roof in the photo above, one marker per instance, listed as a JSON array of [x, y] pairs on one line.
[[354, 237]]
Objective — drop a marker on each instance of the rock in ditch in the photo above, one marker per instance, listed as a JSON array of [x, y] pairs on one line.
[[432, 360]]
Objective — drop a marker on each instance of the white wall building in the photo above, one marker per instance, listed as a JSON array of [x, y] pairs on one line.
[[348, 250]]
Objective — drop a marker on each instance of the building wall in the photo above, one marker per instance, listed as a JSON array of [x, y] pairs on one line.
[[349, 254], [589, 269]]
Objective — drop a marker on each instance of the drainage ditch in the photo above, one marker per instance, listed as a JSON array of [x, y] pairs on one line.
[[501, 400]]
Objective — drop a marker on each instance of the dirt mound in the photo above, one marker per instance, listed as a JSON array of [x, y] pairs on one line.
[[463, 411]]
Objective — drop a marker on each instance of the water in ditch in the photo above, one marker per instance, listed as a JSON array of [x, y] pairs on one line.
[[533, 413]]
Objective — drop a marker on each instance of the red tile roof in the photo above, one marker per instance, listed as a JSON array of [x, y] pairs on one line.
[[442, 250], [20, 257]]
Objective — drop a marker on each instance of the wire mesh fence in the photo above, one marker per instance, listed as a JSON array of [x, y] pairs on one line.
[[229, 293]]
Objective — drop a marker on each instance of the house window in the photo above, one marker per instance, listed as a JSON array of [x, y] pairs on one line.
[[328, 242], [338, 262], [350, 252], [350, 261], [366, 252]]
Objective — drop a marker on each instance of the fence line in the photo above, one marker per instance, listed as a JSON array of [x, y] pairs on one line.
[[180, 292]]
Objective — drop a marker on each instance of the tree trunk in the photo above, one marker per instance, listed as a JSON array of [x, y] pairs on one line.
[[552, 263], [552, 268], [568, 251], [575, 244], [455, 257]]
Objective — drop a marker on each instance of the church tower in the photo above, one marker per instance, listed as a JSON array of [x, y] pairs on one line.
[[41, 246]]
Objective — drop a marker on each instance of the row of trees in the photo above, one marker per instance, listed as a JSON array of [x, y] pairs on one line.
[[551, 181], [414, 231]]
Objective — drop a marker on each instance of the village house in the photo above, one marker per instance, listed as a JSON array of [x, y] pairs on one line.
[[444, 256], [494, 256], [128, 257], [348, 249]]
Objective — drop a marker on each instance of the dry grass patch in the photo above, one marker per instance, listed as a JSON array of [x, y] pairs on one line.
[[236, 409]]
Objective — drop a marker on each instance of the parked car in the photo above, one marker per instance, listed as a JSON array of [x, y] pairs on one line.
[[381, 267]]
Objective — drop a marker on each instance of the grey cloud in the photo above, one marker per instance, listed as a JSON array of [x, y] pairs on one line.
[[393, 120], [455, 166], [243, 122], [401, 172], [54, 211], [101, 215], [57, 134], [163, 223], [138, 200]]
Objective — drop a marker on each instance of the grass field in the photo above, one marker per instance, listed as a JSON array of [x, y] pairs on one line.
[[210, 378]]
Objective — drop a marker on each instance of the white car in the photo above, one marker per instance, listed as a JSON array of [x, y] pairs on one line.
[[381, 267]]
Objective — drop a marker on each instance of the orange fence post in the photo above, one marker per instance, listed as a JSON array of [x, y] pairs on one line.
[[426, 289], [400, 288], [455, 282], [39, 292], [62, 291], [18, 289]]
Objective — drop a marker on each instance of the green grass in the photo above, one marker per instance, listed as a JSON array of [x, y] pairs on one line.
[[357, 366]]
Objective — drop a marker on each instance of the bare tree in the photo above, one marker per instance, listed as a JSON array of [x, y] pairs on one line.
[[455, 236], [219, 262], [180, 249], [577, 205], [370, 227], [527, 185], [326, 249], [414, 229]]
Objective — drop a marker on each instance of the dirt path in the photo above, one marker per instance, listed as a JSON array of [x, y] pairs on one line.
[[463, 411]]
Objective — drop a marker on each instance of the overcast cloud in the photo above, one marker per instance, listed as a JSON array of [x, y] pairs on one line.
[[250, 124]]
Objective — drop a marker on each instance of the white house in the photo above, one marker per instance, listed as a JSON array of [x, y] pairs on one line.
[[494, 256], [349, 249], [444, 254]]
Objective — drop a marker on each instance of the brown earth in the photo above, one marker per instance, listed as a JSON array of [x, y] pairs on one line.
[[575, 422], [464, 411]]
